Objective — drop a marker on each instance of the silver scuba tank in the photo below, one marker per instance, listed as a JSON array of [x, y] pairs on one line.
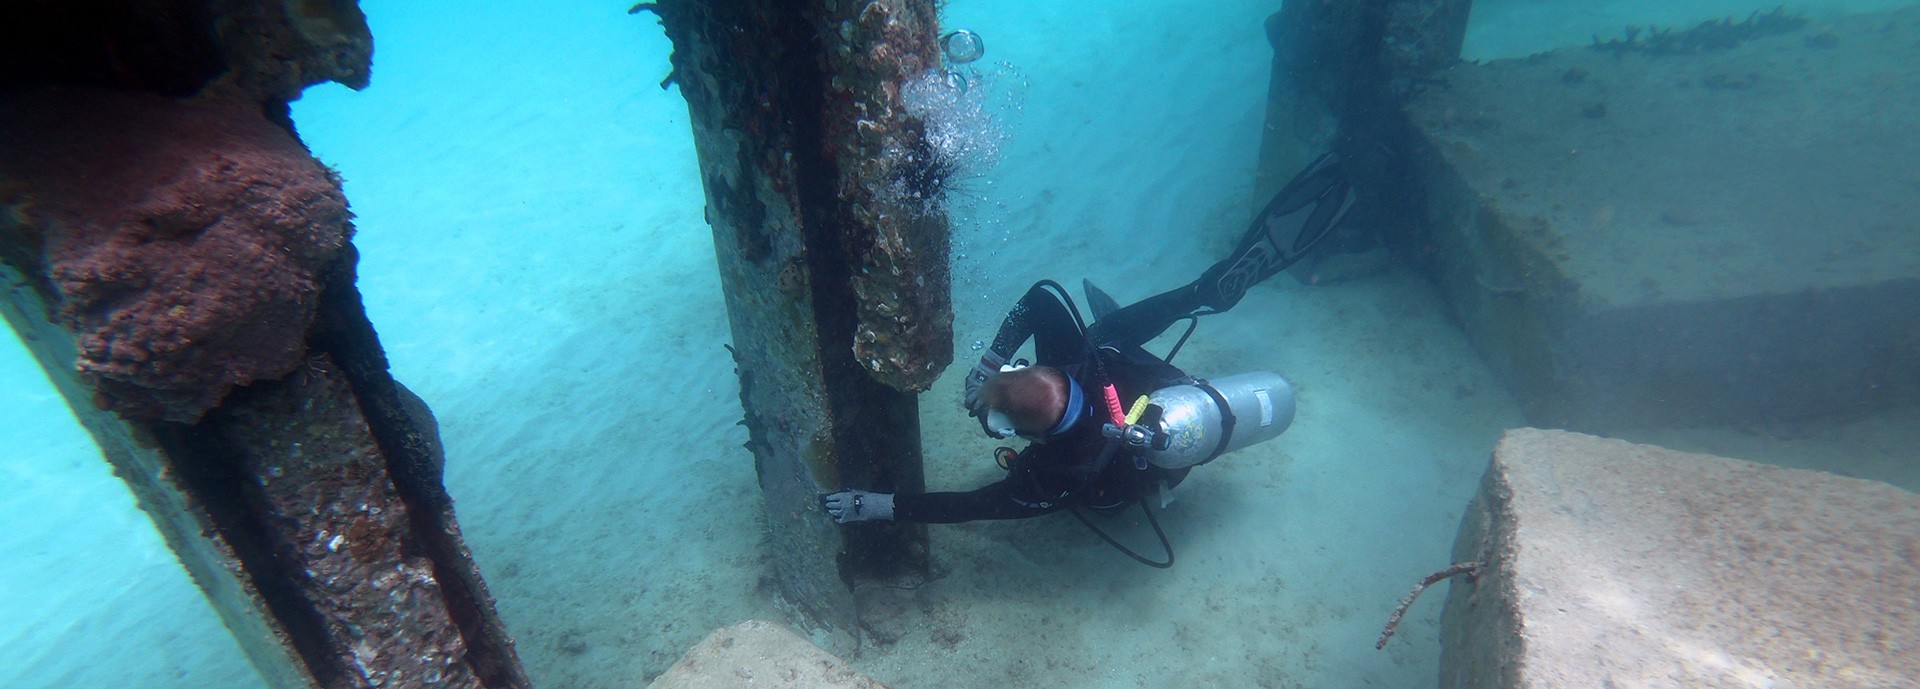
[[1213, 417]]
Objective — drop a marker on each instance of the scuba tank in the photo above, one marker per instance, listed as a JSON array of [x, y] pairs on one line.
[[1191, 424]]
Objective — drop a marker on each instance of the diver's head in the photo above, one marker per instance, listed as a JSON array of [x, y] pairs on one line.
[[1035, 402]]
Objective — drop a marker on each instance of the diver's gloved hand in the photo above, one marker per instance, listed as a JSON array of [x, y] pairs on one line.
[[988, 365], [857, 506]]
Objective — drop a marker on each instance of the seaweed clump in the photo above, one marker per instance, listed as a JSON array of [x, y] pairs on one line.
[[1710, 36]]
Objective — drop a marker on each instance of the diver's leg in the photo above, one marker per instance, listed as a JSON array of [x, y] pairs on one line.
[[1303, 213], [1297, 218], [1141, 321]]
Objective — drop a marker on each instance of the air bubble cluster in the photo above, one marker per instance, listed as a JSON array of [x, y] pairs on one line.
[[961, 140], [962, 46]]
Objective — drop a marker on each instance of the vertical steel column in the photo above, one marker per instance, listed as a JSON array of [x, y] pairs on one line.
[[1332, 61], [1342, 71], [832, 247]]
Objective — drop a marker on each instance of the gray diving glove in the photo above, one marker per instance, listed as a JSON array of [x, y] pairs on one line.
[[857, 506], [988, 365]]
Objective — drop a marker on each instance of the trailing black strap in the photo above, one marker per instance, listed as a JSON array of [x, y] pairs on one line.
[[1116, 544], [1193, 321]]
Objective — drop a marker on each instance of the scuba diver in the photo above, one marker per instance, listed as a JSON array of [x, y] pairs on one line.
[[1085, 449]]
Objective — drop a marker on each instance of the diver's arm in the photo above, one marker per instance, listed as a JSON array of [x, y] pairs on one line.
[[1044, 317], [1021, 322], [1001, 500], [1038, 311]]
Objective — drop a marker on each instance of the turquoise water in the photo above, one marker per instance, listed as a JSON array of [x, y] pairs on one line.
[[534, 256]]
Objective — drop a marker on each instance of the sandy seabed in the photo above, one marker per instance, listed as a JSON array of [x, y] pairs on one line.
[[536, 261]]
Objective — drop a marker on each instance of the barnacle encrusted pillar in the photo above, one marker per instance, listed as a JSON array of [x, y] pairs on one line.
[[181, 266], [823, 191]]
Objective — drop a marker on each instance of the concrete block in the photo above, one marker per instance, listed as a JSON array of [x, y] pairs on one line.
[[1610, 564], [1643, 237], [756, 654]]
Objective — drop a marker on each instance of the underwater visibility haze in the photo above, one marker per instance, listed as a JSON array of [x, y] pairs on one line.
[[536, 257]]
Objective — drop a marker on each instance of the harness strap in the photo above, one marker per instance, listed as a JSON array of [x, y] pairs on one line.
[[1227, 419]]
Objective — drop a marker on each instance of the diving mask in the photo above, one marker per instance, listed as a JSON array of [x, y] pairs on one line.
[[999, 425]]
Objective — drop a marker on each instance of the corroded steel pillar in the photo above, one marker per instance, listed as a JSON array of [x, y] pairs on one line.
[[1342, 73], [1333, 62], [822, 191], [181, 266]]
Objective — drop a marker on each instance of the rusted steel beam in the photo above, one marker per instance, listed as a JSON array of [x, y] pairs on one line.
[[181, 269], [137, 459], [180, 266], [823, 193], [409, 438], [298, 484]]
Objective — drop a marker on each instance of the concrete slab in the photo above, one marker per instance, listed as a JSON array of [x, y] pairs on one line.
[[756, 654], [1610, 564], [1639, 238]]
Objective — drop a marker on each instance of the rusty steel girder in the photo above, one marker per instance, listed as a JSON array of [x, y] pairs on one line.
[[822, 191]]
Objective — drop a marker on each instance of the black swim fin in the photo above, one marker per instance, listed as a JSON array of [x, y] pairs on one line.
[[1296, 220], [1098, 300]]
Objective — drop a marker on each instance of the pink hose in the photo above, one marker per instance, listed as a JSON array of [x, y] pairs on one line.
[[1114, 411]]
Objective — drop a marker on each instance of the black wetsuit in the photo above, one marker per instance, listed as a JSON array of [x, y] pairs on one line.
[[1065, 470]]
